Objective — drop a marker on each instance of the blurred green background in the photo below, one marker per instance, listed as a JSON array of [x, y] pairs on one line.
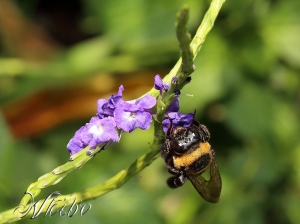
[[58, 57]]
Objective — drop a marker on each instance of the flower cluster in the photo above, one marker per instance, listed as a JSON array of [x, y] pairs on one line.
[[113, 113], [116, 114], [177, 119]]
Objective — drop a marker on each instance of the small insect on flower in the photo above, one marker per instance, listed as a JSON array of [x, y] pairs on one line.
[[188, 154]]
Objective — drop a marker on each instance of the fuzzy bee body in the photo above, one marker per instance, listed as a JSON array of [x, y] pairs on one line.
[[188, 154]]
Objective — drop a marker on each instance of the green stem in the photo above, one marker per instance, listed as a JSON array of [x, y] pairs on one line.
[[198, 40]]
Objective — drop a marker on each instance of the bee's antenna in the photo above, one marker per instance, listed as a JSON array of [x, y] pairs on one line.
[[194, 115], [193, 121], [170, 128]]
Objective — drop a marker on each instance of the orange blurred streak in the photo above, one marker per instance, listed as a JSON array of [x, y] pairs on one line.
[[51, 107]]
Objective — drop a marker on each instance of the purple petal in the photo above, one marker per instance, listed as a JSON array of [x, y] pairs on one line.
[[143, 120], [146, 102], [159, 84], [124, 120], [94, 133], [94, 119], [100, 103], [102, 130], [129, 121], [121, 89], [174, 107], [132, 107], [178, 119], [106, 107], [76, 144], [166, 124]]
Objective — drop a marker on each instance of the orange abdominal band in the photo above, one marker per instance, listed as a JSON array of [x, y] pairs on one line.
[[192, 155]]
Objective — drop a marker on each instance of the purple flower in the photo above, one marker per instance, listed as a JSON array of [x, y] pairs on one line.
[[177, 119], [174, 107], [112, 113], [135, 114], [94, 133], [159, 84], [99, 131], [76, 144], [107, 107]]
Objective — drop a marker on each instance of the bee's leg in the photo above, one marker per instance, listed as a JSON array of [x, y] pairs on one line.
[[165, 151], [204, 133], [174, 171], [176, 181]]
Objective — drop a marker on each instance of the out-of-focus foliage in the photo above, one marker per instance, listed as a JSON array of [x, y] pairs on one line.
[[246, 89]]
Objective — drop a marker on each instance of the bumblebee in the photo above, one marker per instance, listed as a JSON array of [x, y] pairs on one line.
[[188, 154]]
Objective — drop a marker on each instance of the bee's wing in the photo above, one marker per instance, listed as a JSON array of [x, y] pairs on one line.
[[210, 189]]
